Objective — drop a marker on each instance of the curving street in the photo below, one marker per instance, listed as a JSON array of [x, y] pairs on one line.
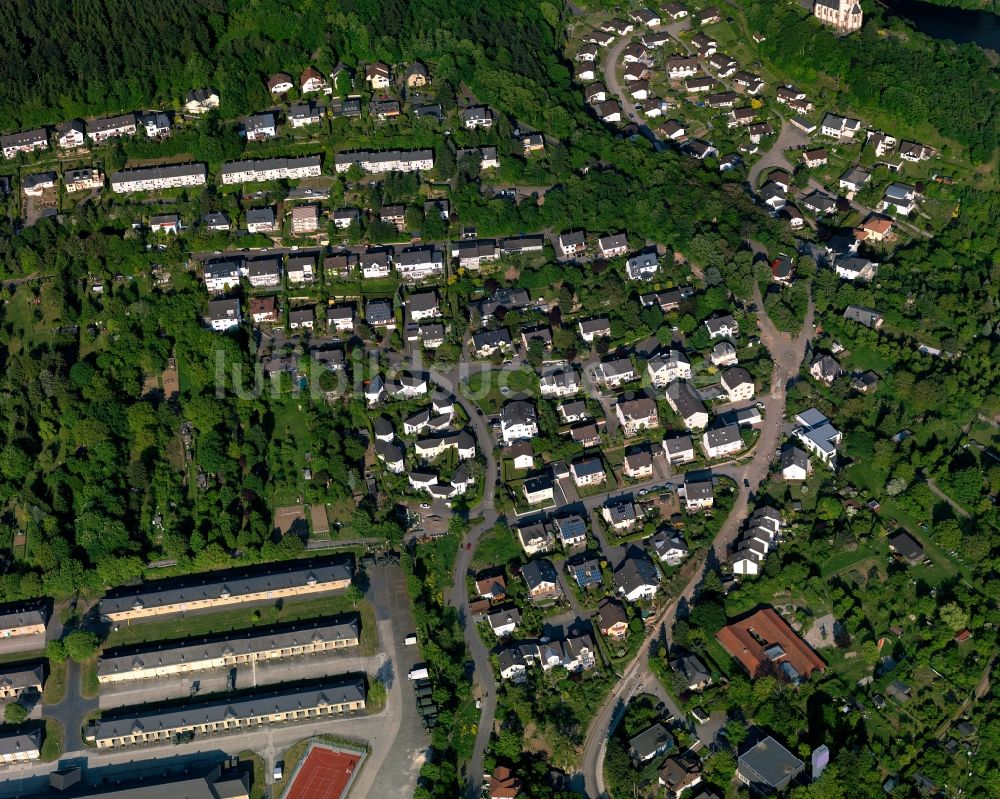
[[787, 353]]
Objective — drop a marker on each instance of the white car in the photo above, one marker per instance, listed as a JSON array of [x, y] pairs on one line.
[[279, 771]]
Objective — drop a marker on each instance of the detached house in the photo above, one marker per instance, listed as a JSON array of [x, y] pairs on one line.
[[818, 436], [642, 266], [588, 472], [899, 198], [637, 577], [680, 67], [615, 372], [540, 578], [200, 101], [591, 329], [619, 515], [679, 449], [477, 117], [302, 114], [572, 243], [738, 384], [698, 495], [311, 81], [825, 369], [794, 464], [722, 441], [260, 127], [724, 326], [638, 465], [636, 414], [687, 404], [666, 367], [650, 743], [377, 75], [279, 83], [610, 246], [612, 619], [518, 421], [838, 127], [669, 547], [535, 539]]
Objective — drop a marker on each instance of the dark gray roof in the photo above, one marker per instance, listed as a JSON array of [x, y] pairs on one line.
[[127, 721], [20, 740], [238, 582], [23, 675], [722, 436], [685, 398], [635, 571], [769, 764], [518, 412], [22, 615], [650, 741], [536, 572], [158, 173], [239, 643], [267, 164]]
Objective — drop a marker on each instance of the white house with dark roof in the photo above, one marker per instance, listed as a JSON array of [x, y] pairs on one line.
[[686, 402], [666, 367], [724, 326], [642, 265], [698, 495], [594, 328], [679, 449], [738, 384], [722, 441]]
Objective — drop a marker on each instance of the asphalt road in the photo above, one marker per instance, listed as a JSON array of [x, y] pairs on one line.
[[788, 137], [396, 737], [787, 353]]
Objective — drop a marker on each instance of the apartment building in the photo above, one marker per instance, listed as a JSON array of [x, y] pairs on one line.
[[168, 658], [20, 746], [23, 619], [235, 172], [220, 589], [385, 160], [151, 725], [157, 178], [17, 679]]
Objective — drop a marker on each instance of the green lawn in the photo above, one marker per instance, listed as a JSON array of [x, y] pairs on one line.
[[496, 547], [52, 741], [89, 687], [247, 617], [292, 441], [257, 767], [55, 684], [483, 387]]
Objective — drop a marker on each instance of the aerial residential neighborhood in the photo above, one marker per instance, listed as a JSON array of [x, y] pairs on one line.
[[499, 401]]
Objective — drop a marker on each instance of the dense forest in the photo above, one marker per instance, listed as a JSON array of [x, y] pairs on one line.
[[955, 88]]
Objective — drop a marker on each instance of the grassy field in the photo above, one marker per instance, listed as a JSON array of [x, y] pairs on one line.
[[17, 657], [257, 765], [483, 388], [244, 618], [55, 684], [89, 687], [496, 547], [52, 741], [293, 441]]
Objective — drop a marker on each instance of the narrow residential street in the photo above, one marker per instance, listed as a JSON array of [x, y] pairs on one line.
[[788, 137], [787, 353]]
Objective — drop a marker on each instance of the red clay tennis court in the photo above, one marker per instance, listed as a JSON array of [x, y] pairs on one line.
[[324, 773]]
